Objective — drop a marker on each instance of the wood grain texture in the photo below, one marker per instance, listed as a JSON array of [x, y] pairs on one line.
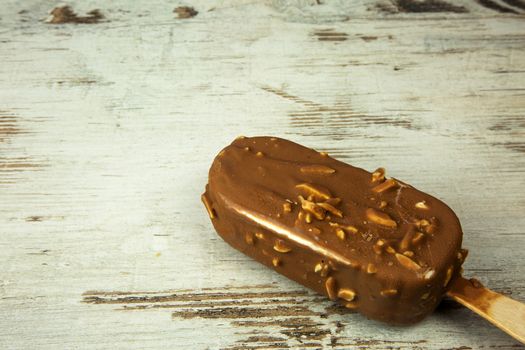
[[107, 131]]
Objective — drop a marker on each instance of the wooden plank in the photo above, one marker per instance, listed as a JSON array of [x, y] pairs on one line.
[[107, 131]]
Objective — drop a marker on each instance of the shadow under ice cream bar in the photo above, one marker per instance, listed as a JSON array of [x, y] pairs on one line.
[[373, 243]]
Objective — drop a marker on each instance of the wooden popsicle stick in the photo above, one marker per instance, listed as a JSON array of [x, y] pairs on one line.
[[505, 313]]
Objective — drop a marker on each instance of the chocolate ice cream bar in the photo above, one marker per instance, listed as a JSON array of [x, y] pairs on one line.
[[373, 243]]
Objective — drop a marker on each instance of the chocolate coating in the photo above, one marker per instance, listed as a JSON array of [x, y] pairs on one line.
[[377, 245]]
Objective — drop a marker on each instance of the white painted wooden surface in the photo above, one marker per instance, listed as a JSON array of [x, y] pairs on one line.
[[107, 131]]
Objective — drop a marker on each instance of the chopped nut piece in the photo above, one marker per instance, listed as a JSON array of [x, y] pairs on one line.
[[421, 205], [259, 154], [378, 246], [388, 184], [389, 292], [314, 190], [429, 274], [422, 223], [346, 294], [249, 239], [322, 268], [331, 288], [407, 262], [390, 250], [340, 233], [405, 242], [259, 235], [418, 238], [276, 262], [246, 148], [329, 208], [281, 247], [318, 267], [371, 268], [287, 207], [448, 276], [378, 175], [240, 137], [207, 205], [350, 228], [312, 208], [308, 218], [351, 306], [347, 228], [323, 154], [221, 153], [380, 218], [382, 205], [408, 253], [317, 169], [425, 296]]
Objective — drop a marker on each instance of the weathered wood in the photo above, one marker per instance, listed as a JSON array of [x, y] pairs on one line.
[[107, 130]]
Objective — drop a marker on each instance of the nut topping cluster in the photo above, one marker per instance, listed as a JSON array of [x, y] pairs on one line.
[[317, 203], [407, 246], [346, 294], [322, 268]]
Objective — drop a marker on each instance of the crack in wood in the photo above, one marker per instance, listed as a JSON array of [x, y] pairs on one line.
[[513, 146], [8, 127], [330, 35], [244, 312], [301, 329], [300, 317], [515, 3], [385, 342], [214, 304], [334, 120], [492, 5], [101, 298], [508, 123], [424, 6], [10, 167]]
